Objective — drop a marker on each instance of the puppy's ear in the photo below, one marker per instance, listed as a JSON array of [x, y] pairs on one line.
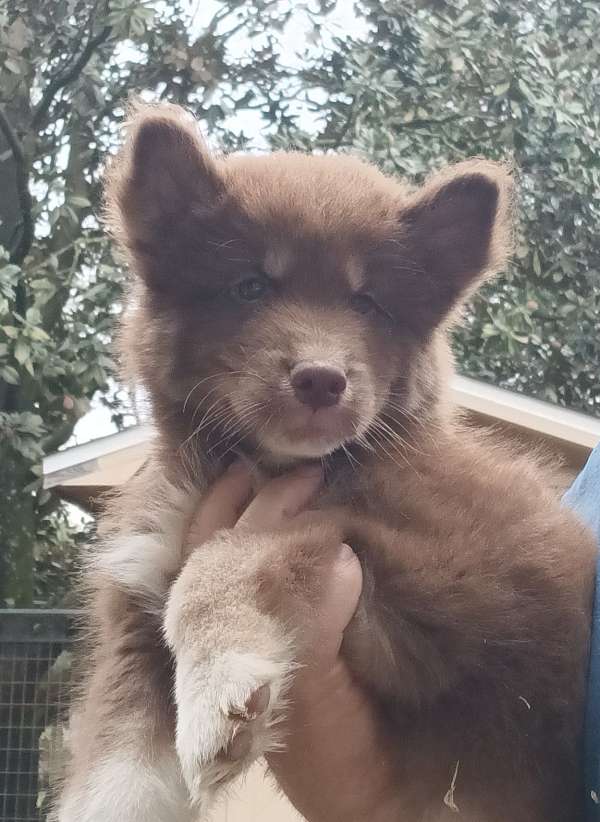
[[455, 230], [160, 187]]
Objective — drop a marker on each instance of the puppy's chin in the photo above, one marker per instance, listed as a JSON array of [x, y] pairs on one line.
[[297, 433], [281, 450], [287, 445]]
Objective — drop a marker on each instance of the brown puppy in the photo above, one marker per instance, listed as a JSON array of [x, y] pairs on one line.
[[289, 308]]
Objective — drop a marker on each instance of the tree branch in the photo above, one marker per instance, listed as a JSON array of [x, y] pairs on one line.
[[217, 18], [65, 78], [428, 121], [11, 138], [21, 249]]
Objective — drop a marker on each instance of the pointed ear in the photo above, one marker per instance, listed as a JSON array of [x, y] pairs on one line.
[[455, 230], [161, 184]]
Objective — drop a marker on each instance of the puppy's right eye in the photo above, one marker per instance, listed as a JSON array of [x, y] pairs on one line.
[[252, 289]]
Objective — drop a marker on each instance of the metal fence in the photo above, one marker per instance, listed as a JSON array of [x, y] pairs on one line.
[[35, 672]]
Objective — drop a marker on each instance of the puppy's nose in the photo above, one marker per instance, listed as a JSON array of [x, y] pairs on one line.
[[317, 385]]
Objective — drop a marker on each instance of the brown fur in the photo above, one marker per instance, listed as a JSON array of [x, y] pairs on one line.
[[472, 630]]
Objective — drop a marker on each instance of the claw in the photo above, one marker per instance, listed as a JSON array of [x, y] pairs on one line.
[[256, 704]]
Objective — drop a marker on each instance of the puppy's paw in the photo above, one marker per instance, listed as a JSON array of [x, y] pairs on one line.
[[227, 713]]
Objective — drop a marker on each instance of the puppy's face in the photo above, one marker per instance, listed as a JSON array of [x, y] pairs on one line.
[[287, 301]]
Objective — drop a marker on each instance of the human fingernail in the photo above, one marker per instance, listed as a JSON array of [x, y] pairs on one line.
[[345, 553], [237, 467]]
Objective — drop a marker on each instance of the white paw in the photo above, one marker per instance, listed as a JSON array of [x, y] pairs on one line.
[[128, 786], [227, 713]]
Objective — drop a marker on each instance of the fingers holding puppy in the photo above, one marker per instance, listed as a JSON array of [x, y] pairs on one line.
[[231, 502], [221, 506], [281, 499]]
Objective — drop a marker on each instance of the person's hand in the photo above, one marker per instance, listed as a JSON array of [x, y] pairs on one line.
[[335, 763]]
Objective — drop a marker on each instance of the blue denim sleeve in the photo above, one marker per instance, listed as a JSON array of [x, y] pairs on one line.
[[584, 497]]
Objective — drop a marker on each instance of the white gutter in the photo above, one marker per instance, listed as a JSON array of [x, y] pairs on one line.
[[537, 416], [92, 456]]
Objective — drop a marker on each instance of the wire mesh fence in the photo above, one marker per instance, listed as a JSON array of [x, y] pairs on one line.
[[35, 672]]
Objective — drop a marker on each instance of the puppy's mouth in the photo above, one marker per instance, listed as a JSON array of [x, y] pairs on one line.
[[311, 433]]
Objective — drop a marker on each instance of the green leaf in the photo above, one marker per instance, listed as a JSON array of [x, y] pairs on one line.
[[39, 335], [12, 65], [501, 89], [22, 351], [33, 316], [79, 201], [19, 35], [525, 90], [137, 26], [9, 375], [466, 17], [145, 13]]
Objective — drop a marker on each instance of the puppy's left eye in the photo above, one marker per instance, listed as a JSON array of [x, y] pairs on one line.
[[363, 304], [252, 289]]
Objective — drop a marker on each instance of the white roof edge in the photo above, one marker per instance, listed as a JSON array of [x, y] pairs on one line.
[[527, 412], [498, 403], [93, 450]]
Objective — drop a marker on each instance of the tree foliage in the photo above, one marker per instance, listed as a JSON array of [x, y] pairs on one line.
[[67, 68], [421, 83], [432, 82]]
